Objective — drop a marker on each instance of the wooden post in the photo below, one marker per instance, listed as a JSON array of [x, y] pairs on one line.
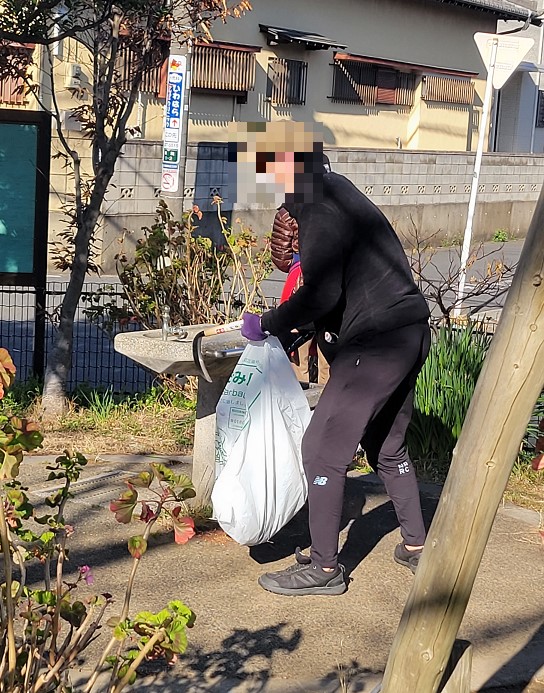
[[459, 669], [508, 387]]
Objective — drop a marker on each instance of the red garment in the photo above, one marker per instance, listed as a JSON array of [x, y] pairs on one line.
[[292, 282]]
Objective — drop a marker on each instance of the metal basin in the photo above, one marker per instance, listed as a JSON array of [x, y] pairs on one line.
[[175, 355]]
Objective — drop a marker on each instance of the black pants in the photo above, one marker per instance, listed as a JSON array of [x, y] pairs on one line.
[[368, 399]]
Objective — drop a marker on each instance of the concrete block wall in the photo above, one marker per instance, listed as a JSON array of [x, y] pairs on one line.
[[428, 189]]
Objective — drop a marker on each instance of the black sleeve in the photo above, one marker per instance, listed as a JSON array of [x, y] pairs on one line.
[[321, 255]]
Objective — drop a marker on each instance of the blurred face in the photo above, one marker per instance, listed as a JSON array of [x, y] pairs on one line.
[[283, 170]]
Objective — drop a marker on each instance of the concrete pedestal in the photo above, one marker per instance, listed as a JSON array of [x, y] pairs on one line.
[[204, 443]]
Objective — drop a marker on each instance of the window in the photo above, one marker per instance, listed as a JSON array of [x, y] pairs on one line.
[[12, 87], [361, 81], [223, 68], [445, 89], [154, 79], [11, 91], [540, 110], [286, 82]]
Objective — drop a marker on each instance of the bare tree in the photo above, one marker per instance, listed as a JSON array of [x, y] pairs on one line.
[[488, 276], [104, 29]]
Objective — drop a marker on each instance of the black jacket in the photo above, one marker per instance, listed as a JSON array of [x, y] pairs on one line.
[[357, 280]]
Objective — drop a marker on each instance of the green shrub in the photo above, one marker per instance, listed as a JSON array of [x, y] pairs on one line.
[[443, 392], [500, 236]]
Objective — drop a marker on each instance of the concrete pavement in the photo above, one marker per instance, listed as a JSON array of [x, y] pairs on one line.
[[247, 640]]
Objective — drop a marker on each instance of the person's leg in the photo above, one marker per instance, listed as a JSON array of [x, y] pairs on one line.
[[385, 445], [359, 386], [322, 368]]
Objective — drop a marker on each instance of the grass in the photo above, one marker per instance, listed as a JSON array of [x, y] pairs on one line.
[[526, 487], [159, 421]]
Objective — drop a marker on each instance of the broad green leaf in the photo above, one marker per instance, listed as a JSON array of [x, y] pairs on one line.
[[182, 610], [143, 480], [73, 613], [177, 637], [163, 473], [184, 486], [45, 597], [10, 465]]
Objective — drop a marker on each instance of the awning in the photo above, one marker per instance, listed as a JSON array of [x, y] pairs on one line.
[[502, 9], [404, 66], [525, 66], [312, 42]]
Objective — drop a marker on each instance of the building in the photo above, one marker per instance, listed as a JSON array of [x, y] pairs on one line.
[[399, 76], [519, 105]]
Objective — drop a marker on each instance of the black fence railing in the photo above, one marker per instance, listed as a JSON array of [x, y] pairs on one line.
[[94, 362]]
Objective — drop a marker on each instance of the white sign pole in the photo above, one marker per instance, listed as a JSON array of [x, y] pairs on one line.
[[476, 177], [501, 54]]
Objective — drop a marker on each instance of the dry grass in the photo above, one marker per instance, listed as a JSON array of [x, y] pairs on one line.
[[526, 489], [156, 429]]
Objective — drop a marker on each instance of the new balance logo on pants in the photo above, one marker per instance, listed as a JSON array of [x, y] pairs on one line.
[[320, 480]]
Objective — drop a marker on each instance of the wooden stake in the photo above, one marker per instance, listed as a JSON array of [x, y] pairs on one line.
[[509, 385]]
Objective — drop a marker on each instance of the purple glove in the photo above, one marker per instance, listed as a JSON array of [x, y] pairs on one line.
[[252, 328]]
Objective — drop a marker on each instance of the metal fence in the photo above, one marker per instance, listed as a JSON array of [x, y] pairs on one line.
[[94, 360]]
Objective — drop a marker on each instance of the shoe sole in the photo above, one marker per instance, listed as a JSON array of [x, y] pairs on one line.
[[333, 590], [405, 564]]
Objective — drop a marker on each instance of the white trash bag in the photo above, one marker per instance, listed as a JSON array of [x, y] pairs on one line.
[[261, 418]]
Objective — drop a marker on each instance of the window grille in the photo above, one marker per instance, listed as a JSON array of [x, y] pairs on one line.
[[286, 82], [447, 89], [12, 87], [356, 81], [223, 68], [540, 110], [154, 77], [11, 91]]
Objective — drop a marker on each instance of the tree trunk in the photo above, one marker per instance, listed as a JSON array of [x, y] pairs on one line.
[[59, 361], [510, 383]]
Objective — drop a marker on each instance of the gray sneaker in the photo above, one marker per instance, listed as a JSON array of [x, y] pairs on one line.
[[409, 559], [304, 577]]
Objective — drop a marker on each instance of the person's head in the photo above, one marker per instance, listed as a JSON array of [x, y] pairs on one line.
[[284, 159]]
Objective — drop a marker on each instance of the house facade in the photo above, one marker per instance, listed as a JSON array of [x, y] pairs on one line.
[[519, 105], [400, 76], [377, 74]]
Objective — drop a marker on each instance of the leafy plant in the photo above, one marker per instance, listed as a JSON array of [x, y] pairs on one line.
[[500, 236], [101, 403], [443, 392], [199, 282], [533, 442], [44, 629]]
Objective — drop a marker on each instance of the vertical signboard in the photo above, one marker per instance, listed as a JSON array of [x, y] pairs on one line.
[[25, 138], [173, 123]]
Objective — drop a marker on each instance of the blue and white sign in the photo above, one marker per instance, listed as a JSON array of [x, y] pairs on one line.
[[173, 123]]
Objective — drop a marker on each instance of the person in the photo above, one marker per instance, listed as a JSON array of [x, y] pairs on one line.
[[372, 325], [286, 257]]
